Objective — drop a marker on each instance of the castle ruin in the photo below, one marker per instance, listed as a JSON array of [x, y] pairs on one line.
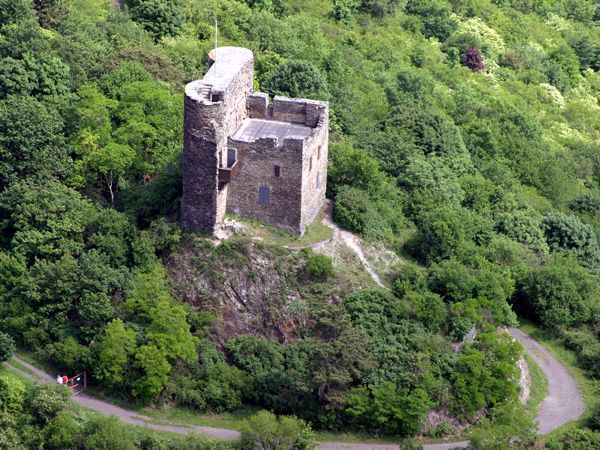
[[247, 157]]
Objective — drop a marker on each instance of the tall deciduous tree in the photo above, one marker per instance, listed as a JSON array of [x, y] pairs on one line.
[[31, 142]]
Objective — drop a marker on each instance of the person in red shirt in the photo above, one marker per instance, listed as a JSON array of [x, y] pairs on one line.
[[65, 379]]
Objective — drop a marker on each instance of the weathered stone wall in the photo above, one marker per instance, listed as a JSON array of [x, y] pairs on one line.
[[298, 110], [258, 105], [257, 168], [207, 125], [315, 148], [200, 159]]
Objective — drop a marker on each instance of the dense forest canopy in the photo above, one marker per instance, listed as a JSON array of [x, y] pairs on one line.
[[465, 137]]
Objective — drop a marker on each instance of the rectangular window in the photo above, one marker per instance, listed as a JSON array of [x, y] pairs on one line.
[[277, 171], [319, 153], [310, 164], [318, 179], [231, 156], [264, 196]]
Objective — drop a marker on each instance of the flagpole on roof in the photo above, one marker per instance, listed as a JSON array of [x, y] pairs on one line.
[[216, 42]]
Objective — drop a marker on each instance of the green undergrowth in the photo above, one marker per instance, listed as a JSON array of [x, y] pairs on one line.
[[538, 386], [6, 371], [139, 433]]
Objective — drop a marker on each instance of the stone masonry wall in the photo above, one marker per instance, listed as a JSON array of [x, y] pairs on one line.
[[257, 168], [315, 148], [207, 126]]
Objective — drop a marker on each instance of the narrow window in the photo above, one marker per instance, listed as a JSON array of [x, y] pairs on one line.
[[318, 179], [319, 153], [277, 171], [310, 164], [231, 156], [264, 196]]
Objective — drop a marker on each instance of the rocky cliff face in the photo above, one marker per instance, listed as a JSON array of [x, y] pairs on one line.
[[248, 287]]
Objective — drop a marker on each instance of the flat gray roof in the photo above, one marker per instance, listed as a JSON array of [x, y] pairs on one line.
[[252, 129], [228, 63]]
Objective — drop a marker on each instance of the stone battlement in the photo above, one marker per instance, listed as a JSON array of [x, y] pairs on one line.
[[244, 155]]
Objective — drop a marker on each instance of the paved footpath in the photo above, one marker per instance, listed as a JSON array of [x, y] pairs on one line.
[[562, 404]]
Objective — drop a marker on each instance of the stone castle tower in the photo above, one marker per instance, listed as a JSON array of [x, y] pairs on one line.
[[245, 156]]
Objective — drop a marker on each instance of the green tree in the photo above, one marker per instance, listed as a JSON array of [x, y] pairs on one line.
[[113, 354], [266, 431], [159, 17], [435, 15], [297, 79], [389, 409], [155, 368], [559, 294], [112, 162], [44, 219], [167, 332], [50, 12], [31, 144], [485, 374], [567, 232], [14, 11], [7, 347], [62, 432]]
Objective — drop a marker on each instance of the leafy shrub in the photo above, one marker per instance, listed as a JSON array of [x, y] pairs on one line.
[[435, 16], [440, 430], [319, 266], [378, 8], [354, 210], [388, 408], [588, 202], [587, 348], [472, 59], [484, 374], [159, 17], [297, 79], [107, 433], [7, 347], [62, 432], [12, 395], [264, 430], [558, 294], [594, 420], [453, 280], [565, 232], [48, 400], [575, 439]]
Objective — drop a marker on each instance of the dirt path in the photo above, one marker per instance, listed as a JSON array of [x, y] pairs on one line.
[[352, 242], [562, 404], [564, 401], [125, 415]]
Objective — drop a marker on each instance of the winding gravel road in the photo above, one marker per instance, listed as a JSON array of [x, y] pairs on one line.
[[125, 415], [562, 404]]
